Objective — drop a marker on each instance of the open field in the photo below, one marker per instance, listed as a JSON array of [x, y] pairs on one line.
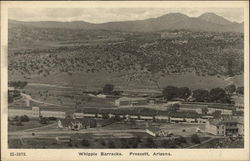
[[177, 128], [99, 79], [33, 123]]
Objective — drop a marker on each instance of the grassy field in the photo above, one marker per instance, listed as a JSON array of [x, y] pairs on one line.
[[33, 123], [177, 129], [99, 79]]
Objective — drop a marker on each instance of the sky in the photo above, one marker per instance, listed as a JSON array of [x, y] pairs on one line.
[[101, 15]]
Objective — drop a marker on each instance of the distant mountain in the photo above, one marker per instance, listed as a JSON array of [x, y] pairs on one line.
[[171, 21], [211, 17]]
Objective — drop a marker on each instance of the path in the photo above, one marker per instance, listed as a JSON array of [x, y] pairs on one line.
[[26, 96], [47, 85]]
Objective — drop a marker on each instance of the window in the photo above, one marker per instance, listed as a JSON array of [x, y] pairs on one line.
[[218, 132]]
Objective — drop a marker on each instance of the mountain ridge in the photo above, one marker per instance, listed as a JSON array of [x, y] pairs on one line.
[[172, 21]]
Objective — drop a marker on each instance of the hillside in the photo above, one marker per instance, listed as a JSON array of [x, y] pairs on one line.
[[127, 59], [171, 21]]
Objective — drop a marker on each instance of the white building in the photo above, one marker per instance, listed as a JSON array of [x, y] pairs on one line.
[[130, 102]]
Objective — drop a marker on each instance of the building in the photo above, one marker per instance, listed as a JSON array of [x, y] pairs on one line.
[[153, 131], [226, 127], [56, 114], [176, 120], [76, 124], [238, 102], [36, 113], [223, 111], [146, 117], [131, 102]]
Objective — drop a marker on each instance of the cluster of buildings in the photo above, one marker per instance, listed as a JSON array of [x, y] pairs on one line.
[[35, 112], [76, 124], [81, 120], [210, 108], [225, 127]]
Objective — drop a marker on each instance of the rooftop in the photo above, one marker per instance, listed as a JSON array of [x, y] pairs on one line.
[[131, 99], [223, 121]]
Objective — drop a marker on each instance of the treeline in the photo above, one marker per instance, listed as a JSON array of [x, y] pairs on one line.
[[216, 95]]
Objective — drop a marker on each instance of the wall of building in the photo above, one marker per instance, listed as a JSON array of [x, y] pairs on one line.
[[35, 112], [56, 114], [223, 111], [18, 112], [212, 129], [131, 102]]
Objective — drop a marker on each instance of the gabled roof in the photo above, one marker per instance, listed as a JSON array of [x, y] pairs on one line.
[[153, 129], [68, 121], [224, 121]]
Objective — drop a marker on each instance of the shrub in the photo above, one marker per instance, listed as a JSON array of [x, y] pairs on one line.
[[168, 144], [85, 142], [102, 142], [124, 143], [181, 139], [16, 118], [150, 143], [108, 88], [24, 118], [52, 118], [19, 123], [195, 139], [111, 144]]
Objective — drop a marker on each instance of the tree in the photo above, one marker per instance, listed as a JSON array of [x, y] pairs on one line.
[[180, 140], [16, 118], [200, 95], [105, 116], [195, 139], [117, 118], [43, 120], [240, 90], [184, 92], [174, 107], [218, 95], [170, 92], [108, 89], [150, 143], [24, 118], [133, 143], [124, 143], [19, 123], [111, 144], [102, 142], [217, 114], [168, 144], [85, 143], [204, 110], [230, 89]]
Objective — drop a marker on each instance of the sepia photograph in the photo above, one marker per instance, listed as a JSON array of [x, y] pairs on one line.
[[120, 77]]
